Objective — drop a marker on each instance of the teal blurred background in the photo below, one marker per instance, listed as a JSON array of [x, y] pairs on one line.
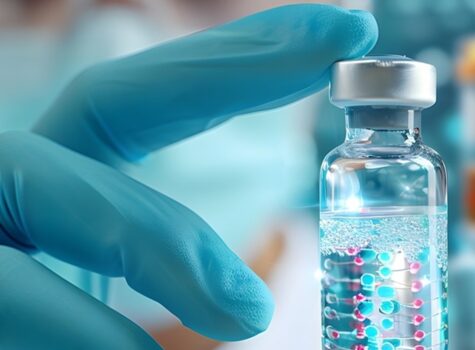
[[259, 187]]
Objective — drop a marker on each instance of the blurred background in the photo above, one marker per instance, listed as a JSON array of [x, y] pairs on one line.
[[271, 160]]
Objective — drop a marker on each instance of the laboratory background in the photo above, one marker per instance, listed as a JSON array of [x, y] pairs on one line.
[[259, 188]]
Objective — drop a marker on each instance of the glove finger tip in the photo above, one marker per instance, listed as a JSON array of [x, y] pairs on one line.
[[252, 305], [358, 32], [238, 304], [324, 33]]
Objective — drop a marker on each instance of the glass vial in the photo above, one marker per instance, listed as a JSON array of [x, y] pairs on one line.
[[383, 213]]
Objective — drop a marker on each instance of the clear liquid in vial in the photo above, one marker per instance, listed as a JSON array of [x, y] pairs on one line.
[[384, 279]]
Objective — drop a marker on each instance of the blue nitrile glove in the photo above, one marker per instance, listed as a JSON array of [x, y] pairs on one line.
[[57, 196]]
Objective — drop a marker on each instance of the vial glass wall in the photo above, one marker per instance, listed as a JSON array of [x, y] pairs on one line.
[[383, 235]]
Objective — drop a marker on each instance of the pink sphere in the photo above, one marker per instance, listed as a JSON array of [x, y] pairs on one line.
[[358, 261], [418, 303], [419, 335], [416, 286], [414, 267]]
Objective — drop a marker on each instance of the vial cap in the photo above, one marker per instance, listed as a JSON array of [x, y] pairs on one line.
[[383, 81]]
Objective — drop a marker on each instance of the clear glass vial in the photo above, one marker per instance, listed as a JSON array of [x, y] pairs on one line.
[[383, 213]]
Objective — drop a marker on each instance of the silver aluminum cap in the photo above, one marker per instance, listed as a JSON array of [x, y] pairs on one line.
[[383, 81]]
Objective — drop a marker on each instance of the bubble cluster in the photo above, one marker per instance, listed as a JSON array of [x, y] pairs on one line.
[[409, 233]]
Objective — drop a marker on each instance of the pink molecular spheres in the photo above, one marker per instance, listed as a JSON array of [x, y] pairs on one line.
[[418, 303], [418, 319], [420, 347], [416, 286], [419, 335], [414, 267], [358, 261], [359, 298], [359, 347], [352, 251], [332, 333], [360, 331], [358, 315]]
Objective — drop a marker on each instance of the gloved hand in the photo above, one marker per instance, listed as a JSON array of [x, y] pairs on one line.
[[61, 191]]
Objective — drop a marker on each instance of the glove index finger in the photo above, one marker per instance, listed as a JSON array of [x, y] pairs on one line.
[[126, 108], [88, 214]]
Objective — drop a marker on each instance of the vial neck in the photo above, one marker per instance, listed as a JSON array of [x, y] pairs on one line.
[[383, 126]]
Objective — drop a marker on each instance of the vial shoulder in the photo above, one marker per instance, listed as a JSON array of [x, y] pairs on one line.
[[421, 154], [433, 157], [333, 156]]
